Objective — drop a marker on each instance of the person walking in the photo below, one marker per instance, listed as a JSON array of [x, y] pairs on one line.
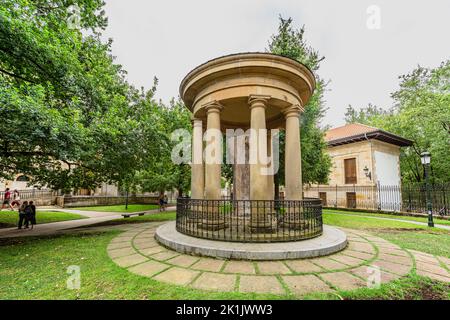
[[7, 200], [22, 214], [161, 202], [16, 199]]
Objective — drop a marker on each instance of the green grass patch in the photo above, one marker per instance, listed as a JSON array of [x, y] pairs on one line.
[[390, 216], [35, 268], [120, 208], [406, 235], [11, 218], [153, 217]]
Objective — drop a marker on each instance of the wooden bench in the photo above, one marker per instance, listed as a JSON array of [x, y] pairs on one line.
[[127, 215]]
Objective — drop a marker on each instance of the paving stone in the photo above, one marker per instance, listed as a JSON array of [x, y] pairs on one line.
[[387, 245], [119, 245], [176, 275], [395, 252], [142, 246], [215, 281], [273, 267], [343, 280], [362, 247], [121, 252], [122, 239], [239, 267], [149, 268], [131, 260], [396, 259], [433, 276], [183, 260], [164, 255], [260, 284], [445, 261], [377, 240], [350, 261], [152, 250], [358, 254], [206, 264], [396, 268], [303, 266], [144, 241], [329, 264], [364, 272], [304, 284], [431, 268], [425, 258]]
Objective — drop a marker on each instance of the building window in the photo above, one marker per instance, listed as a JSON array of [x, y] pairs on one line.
[[350, 170], [22, 178]]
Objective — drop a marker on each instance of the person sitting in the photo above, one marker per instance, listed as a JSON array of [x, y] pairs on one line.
[[22, 214]]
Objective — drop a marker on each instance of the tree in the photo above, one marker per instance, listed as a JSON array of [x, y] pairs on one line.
[[420, 113], [363, 115], [290, 42], [67, 116]]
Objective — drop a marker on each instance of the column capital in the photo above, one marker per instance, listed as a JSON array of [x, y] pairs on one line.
[[258, 100], [213, 106], [292, 111], [196, 122]]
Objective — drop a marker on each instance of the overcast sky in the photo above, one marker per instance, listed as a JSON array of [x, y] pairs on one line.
[[169, 38]]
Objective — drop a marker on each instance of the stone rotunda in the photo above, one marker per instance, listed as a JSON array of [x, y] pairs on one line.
[[248, 95]]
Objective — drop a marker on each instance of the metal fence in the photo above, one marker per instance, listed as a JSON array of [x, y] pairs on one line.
[[250, 220], [406, 198], [31, 194]]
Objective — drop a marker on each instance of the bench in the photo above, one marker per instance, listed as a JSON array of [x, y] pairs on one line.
[[127, 215]]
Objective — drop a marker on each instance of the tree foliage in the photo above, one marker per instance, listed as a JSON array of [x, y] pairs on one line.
[[290, 42], [67, 116], [421, 112]]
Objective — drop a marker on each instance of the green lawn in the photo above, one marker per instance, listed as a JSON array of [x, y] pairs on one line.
[[120, 208], [391, 216], [11, 218], [36, 268], [407, 235]]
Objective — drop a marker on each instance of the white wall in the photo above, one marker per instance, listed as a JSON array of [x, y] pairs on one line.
[[387, 168]]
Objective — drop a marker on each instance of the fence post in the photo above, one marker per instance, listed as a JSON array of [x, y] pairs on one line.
[[379, 195], [335, 203]]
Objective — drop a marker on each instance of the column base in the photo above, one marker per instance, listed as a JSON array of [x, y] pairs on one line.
[[213, 225]]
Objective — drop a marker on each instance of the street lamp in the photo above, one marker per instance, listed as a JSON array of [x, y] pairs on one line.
[[425, 158]]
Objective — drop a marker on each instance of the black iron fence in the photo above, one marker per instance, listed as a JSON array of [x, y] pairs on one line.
[[250, 220], [32, 194], [406, 198]]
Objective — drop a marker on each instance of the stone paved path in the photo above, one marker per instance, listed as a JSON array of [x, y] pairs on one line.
[[93, 217], [138, 251]]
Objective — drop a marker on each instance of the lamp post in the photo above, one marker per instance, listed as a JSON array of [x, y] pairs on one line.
[[425, 158]]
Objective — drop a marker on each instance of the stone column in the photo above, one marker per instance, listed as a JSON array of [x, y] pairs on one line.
[[212, 167], [197, 172], [259, 222], [293, 165], [270, 177], [258, 181]]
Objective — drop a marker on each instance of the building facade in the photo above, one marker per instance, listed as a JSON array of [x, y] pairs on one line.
[[364, 161]]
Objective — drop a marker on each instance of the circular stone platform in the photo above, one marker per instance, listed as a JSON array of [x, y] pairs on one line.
[[331, 241]]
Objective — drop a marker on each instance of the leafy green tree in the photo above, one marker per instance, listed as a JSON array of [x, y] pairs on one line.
[[421, 112], [67, 116], [290, 42]]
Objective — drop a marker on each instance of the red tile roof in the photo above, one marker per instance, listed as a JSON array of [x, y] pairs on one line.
[[348, 130], [355, 132]]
